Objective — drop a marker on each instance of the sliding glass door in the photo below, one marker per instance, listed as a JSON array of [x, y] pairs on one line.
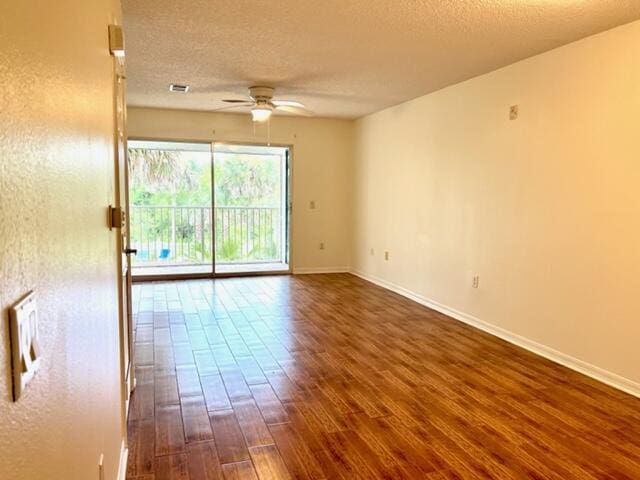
[[197, 212], [170, 208], [251, 208]]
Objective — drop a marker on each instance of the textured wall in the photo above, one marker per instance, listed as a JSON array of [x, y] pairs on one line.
[[56, 178], [545, 208], [322, 156]]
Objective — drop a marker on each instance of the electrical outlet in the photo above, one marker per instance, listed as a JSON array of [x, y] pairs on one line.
[[321, 245], [312, 205], [372, 252], [513, 112], [386, 255], [476, 281]]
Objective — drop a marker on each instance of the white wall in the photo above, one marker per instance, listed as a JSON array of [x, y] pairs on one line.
[[546, 208], [322, 160], [56, 180]]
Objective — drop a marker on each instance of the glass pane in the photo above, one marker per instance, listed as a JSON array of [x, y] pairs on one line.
[[170, 207], [250, 208]]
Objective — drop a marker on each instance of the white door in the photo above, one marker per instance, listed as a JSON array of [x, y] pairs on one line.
[[122, 243]]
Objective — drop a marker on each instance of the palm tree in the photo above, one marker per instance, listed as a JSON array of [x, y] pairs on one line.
[[162, 170]]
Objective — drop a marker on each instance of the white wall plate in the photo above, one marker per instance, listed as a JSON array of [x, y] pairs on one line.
[[25, 349]]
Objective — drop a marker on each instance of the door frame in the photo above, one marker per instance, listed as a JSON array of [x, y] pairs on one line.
[[213, 274], [122, 243]]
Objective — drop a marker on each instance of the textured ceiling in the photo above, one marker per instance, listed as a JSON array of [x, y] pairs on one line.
[[342, 58]]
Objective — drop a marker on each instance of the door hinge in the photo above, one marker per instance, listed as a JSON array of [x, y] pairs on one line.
[[115, 217]]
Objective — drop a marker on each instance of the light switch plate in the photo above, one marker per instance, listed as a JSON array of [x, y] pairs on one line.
[[25, 349]]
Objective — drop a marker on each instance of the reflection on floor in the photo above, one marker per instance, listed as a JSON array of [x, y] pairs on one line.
[[224, 268], [331, 377]]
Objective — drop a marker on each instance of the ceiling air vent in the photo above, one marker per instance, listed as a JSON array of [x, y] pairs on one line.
[[174, 87]]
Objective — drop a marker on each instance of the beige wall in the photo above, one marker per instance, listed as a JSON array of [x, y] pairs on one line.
[[546, 209], [322, 156], [56, 179]]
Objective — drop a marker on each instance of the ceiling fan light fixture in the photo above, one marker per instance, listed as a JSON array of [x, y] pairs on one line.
[[261, 113]]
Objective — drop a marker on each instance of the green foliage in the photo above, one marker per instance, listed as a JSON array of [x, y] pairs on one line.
[[160, 170], [247, 180], [163, 180], [229, 249]]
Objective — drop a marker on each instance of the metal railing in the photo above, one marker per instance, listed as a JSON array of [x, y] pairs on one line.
[[181, 235]]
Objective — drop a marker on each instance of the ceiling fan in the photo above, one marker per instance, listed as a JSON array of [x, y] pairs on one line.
[[262, 104]]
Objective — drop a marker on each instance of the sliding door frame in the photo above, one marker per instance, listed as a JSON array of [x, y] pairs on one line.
[[288, 178]]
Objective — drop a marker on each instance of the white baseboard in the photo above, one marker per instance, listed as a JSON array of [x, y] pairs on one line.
[[597, 373], [307, 270], [124, 455]]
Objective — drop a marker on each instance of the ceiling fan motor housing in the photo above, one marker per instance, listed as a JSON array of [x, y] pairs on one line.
[[261, 94]]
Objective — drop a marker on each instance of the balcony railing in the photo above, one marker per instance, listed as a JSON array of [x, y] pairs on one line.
[[167, 235]]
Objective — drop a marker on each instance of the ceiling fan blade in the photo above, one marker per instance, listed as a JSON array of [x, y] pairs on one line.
[[287, 103], [235, 100], [294, 110], [235, 105]]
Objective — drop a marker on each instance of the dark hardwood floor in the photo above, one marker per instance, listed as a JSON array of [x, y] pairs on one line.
[[331, 377]]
